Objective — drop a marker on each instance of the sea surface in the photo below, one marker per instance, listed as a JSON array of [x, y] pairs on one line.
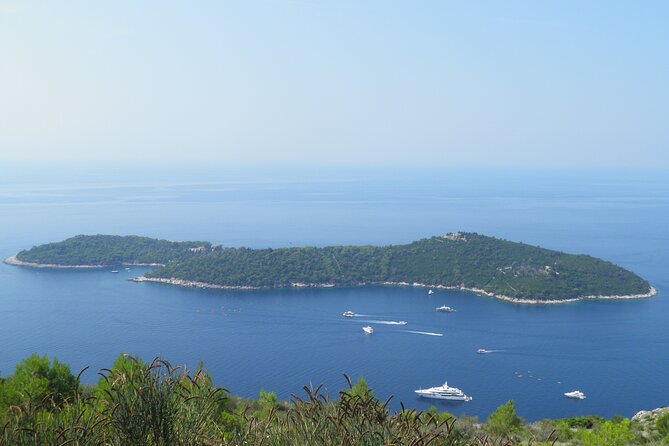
[[617, 352]]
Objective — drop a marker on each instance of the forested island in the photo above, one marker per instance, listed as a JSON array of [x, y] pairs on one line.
[[485, 265]]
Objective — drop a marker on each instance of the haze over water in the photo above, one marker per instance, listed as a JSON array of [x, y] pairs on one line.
[[280, 340]]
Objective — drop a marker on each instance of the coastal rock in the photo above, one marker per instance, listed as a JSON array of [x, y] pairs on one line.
[[647, 416], [646, 422]]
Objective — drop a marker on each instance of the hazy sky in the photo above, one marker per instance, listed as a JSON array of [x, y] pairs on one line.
[[346, 82]]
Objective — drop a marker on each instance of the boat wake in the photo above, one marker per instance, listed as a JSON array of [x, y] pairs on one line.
[[386, 322], [425, 333]]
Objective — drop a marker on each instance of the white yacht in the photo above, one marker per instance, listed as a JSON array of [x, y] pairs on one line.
[[444, 393], [348, 313], [115, 272], [430, 292], [577, 394], [368, 330], [446, 309]]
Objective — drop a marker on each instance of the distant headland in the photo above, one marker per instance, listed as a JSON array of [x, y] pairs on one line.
[[514, 272]]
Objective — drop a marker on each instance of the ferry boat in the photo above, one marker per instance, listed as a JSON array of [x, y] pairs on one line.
[[368, 330], [444, 393], [348, 313], [446, 309], [576, 394]]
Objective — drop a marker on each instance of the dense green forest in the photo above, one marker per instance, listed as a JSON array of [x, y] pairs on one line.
[[460, 260], [110, 250], [157, 404]]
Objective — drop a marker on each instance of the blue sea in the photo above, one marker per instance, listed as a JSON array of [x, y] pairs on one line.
[[616, 352]]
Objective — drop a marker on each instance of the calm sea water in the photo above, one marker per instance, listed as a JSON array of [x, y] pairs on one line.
[[280, 340]]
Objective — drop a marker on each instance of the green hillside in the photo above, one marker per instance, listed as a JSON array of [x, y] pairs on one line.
[[466, 260]]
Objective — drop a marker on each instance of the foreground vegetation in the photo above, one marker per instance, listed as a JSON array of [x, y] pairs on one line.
[[465, 260], [135, 403]]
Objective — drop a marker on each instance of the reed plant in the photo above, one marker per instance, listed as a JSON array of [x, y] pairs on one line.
[[354, 419]]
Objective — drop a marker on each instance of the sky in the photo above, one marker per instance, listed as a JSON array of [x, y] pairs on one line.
[[355, 83]]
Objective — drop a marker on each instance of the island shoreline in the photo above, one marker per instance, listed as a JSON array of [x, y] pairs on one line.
[[14, 261], [204, 285]]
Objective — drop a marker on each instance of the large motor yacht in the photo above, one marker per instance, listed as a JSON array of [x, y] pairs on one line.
[[577, 394], [444, 393]]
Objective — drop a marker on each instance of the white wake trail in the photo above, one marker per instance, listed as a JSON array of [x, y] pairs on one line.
[[384, 322], [426, 333]]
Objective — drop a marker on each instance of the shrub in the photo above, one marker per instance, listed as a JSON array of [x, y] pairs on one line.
[[608, 434], [504, 420], [662, 425], [38, 382]]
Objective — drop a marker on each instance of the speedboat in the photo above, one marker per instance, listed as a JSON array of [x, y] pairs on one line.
[[443, 393], [446, 309], [482, 351], [368, 330], [430, 292], [348, 313], [401, 322], [576, 394]]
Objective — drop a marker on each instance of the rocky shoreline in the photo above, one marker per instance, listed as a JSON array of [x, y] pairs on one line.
[[651, 293], [195, 284], [16, 262], [190, 283]]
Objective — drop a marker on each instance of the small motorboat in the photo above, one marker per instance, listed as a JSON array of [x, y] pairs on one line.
[[348, 313], [482, 351], [114, 272], [430, 292], [576, 394], [401, 322], [445, 309], [368, 330]]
